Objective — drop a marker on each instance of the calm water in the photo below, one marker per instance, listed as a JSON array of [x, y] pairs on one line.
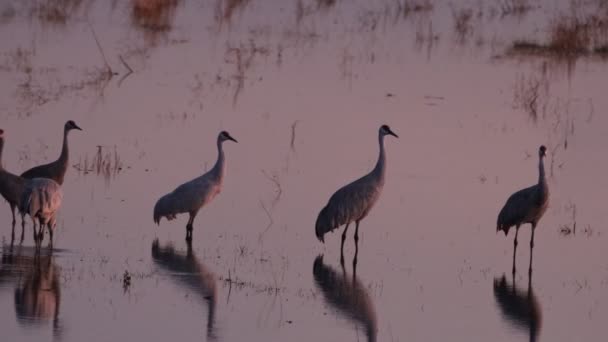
[[303, 86]]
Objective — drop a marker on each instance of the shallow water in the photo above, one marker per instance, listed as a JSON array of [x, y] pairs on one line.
[[303, 88]]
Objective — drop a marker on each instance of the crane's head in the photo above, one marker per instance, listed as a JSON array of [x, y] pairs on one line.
[[226, 136], [385, 130], [542, 151], [70, 125]]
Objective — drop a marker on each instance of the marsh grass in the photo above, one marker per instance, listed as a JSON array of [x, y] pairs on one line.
[[570, 36], [517, 8], [105, 162], [154, 17], [54, 12]]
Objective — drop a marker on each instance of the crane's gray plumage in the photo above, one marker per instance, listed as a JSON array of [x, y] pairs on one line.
[[190, 197], [11, 186], [526, 206], [41, 200], [57, 169], [354, 201]]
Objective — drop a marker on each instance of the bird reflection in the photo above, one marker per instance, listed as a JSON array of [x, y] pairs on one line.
[[37, 292], [346, 295], [190, 273], [519, 307]]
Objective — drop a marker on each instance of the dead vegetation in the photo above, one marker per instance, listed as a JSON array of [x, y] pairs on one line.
[[154, 17], [54, 12], [516, 8], [531, 93], [225, 10], [242, 57], [105, 162], [570, 36]]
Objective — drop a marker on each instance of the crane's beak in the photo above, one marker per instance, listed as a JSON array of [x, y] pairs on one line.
[[231, 138], [393, 134], [76, 127]]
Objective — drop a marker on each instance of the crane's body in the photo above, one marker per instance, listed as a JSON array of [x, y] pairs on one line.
[[11, 186], [526, 206], [55, 170], [191, 196], [41, 200], [354, 201]]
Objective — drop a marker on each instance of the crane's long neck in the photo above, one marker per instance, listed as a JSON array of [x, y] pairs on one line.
[[378, 171], [218, 168], [63, 157], [542, 179]]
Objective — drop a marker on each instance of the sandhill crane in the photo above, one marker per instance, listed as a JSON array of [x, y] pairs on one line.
[[348, 296], [526, 206], [55, 170], [520, 308], [188, 272], [354, 201], [190, 197], [41, 199], [11, 188]]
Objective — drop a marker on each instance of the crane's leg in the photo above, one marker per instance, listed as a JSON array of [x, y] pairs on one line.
[[22, 227], [357, 234], [13, 234], [515, 247], [531, 250], [40, 232], [356, 243], [532, 238], [48, 226], [34, 230], [13, 212], [189, 227], [342, 245]]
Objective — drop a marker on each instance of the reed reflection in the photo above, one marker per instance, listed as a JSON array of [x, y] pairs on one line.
[[188, 272], [519, 307], [347, 295], [37, 288]]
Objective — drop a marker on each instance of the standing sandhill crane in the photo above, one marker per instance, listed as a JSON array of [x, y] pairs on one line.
[[520, 308], [11, 188], [190, 197], [348, 296], [55, 170], [354, 201], [526, 206], [41, 199], [191, 274]]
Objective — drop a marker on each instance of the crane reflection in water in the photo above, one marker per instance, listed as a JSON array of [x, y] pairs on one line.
[[347, 295], [519, 307], [37, 291], [188, 272]]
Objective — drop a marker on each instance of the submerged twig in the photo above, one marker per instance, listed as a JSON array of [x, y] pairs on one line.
[[103, 55], [293, 135], [128, 68]]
